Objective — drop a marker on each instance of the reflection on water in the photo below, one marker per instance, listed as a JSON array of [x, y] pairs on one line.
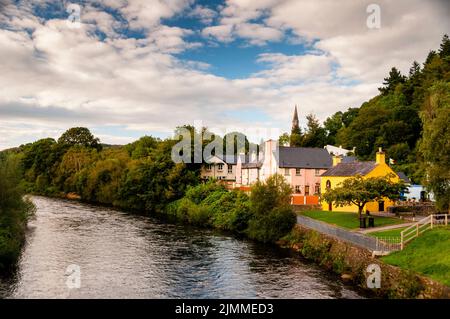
[[129, 256]]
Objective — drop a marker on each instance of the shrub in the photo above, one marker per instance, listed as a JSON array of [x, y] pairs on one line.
[[272, 226]]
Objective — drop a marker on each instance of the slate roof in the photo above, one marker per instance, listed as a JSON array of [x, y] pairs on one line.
[[304, 157], [351, 169], [403, 177], [349, 159]]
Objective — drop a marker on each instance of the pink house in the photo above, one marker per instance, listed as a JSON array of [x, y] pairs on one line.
[[301, 167]]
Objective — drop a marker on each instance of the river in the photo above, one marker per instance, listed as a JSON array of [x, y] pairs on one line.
[[120, 255]]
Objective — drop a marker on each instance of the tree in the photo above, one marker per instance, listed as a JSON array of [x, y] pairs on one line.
[[284, 139], [80, 136], [273, 216], [315, 134], [332, 125], [435, 143], [274, 192], [394, 78], [444, 50], [360, 191]]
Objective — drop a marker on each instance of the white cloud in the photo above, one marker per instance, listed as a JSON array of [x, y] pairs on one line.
[[206, 15], [55, 77]]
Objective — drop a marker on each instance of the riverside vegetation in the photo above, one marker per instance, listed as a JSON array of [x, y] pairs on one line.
[[15, 211]]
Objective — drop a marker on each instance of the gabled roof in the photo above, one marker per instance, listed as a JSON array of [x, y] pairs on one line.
[[229, 159], [304, 157], [351, 169]]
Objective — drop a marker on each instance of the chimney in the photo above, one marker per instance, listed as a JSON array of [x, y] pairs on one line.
[[380, 157], [336, 160]]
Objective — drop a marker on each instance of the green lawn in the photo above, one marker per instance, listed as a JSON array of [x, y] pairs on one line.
[[428, 254], [347, 220], [387, 233]]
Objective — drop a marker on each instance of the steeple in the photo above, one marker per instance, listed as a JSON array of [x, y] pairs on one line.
[[295, 126]]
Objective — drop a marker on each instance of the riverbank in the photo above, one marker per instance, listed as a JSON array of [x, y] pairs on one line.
[[351, 263], [15, 211]]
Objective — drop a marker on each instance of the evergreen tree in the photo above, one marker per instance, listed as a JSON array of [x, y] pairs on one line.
[[394, 78]]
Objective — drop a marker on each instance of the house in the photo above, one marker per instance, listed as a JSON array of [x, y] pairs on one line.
[[301, 167], [220, 167], [343, 170]]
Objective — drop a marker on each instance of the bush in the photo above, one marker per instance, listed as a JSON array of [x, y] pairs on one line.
[[273, 226], [14, 212]]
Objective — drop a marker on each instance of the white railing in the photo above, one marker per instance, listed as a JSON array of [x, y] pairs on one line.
[[388, 244], [421, 226]]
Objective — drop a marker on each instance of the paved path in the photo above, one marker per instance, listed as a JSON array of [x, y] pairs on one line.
[[375, 229]]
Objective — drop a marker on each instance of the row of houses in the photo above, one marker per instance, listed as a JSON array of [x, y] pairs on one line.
[[309, 171]]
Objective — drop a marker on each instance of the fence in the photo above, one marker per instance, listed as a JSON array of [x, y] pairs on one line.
[[387, 244], [421, 226], [361, 240]]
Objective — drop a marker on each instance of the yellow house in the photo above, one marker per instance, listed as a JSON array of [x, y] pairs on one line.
[[342, 170]]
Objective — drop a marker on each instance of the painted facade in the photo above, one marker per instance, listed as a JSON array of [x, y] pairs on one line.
[[332, 178]]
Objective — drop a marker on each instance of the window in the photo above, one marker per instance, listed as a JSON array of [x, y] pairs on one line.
[[220, 167], [208, 167], [317, 188], [317, 172], [307, 190], [286, 171], [328, 184], [297, 189], [230, 169], [298, 172]]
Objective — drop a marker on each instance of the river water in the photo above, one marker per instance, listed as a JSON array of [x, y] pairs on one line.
[[112, 254]]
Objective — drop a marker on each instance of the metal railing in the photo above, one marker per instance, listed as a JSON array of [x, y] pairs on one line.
[[388, 244], [421, 226]]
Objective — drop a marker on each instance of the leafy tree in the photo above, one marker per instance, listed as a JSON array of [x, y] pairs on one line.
[[80, 136], [435, 143], [15, 211], [274, 192], [360, 191], [284, 139], [273, 216], [332, 125], [142, 147]]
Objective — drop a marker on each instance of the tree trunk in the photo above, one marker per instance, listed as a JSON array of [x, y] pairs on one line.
[[360, 209]]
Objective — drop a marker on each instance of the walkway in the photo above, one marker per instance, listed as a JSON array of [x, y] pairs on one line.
[[355, 238], [375, 229]]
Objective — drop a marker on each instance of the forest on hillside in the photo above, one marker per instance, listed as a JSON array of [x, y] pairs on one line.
[[393, 120]]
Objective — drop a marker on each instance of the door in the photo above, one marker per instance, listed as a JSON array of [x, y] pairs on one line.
[[381, 206]]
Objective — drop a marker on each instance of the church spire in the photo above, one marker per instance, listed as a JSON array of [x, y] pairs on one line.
[[295, 126]]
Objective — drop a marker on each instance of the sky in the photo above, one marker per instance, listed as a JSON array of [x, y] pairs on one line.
[[125, 69]]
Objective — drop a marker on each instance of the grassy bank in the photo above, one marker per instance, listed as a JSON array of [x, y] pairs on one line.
[[347, 219], [429, 254], [351, 263]]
